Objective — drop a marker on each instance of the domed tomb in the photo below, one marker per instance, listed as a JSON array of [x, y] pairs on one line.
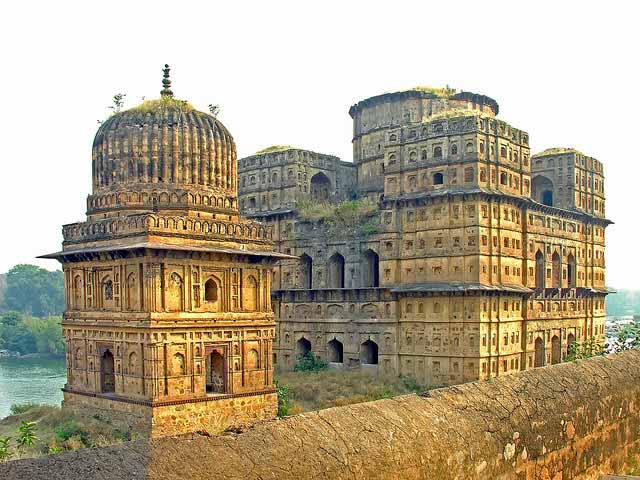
[[163, 156]]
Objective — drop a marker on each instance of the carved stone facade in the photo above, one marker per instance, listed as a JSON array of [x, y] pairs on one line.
[[168, 321], [473, 271]]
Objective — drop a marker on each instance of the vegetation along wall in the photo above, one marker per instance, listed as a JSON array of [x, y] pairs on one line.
[[565, 421]]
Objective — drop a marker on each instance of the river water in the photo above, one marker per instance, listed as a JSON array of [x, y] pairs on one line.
[[35, 380]]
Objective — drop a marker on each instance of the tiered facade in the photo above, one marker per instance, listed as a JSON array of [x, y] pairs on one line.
[[485, 260], [168, 320]]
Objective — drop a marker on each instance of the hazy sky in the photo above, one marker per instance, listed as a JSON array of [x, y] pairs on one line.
[[287, 73]]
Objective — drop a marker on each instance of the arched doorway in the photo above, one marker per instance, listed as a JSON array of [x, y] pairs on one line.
[[303, 346], [215, 371], [320, 187], [571, 271], [370, 269], [107, 373], [540, 279], [556, 271], [571, 339], [306, 271], [542, 190], [539, 352], [336, 271], [334, 349], [556, 353], [369, 353]]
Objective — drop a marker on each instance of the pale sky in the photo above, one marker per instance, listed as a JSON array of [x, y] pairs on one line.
[[287, 73]]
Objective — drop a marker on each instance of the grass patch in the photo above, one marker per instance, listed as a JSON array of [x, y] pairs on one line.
[[334, 388], [58, 431], [163, 104], [351, 218]]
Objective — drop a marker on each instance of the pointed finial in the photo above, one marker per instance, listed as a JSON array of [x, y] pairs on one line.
[[166, 83]]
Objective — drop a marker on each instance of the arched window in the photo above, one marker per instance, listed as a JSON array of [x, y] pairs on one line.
[[274, 177], [437, 152], [370, 270], [413, 156], [540, 277], [133, 362], [556, 269], [571, 339], [369, 353], [556, 354], [503, 178], [503, 151], [571, 271], [211, 290], [78, 293], [306, 271], [132, 292], [438, 178], [250, 294], [334, 348], [174, 293], [107, 290], [336, 271], [423, 155], [253, 360], [539, 353], [393, 137], [454, 149], [468, 147], [468, 174], [178, 364]]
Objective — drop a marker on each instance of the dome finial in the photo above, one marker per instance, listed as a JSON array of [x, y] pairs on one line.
[[166, 82]]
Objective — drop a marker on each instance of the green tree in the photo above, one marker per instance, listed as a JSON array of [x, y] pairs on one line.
[[34, 291], [47, 334], [31, 334], [15, 336]]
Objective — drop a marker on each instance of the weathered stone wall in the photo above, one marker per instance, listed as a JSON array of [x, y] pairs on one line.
[[568, 421], [213, 415]]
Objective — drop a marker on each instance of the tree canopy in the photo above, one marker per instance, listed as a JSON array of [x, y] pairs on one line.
[[34, 291]]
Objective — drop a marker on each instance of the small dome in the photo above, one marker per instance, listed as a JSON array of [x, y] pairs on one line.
[[163, 154]]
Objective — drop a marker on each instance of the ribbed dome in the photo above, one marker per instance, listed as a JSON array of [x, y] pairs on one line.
[[160, 150]]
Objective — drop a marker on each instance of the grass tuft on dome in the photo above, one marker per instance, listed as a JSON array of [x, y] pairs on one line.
[[557, 151], [275, 148], [457, 112], [163, 104]]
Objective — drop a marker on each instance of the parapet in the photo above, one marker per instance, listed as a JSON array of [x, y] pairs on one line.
[[571, 421]]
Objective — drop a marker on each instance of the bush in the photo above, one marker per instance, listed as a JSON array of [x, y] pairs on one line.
[[284, 402], [19, 408], [310, 363], [68, 429], [26, 434]]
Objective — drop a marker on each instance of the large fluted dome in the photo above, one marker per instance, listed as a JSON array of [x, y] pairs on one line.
[[163, 155]]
